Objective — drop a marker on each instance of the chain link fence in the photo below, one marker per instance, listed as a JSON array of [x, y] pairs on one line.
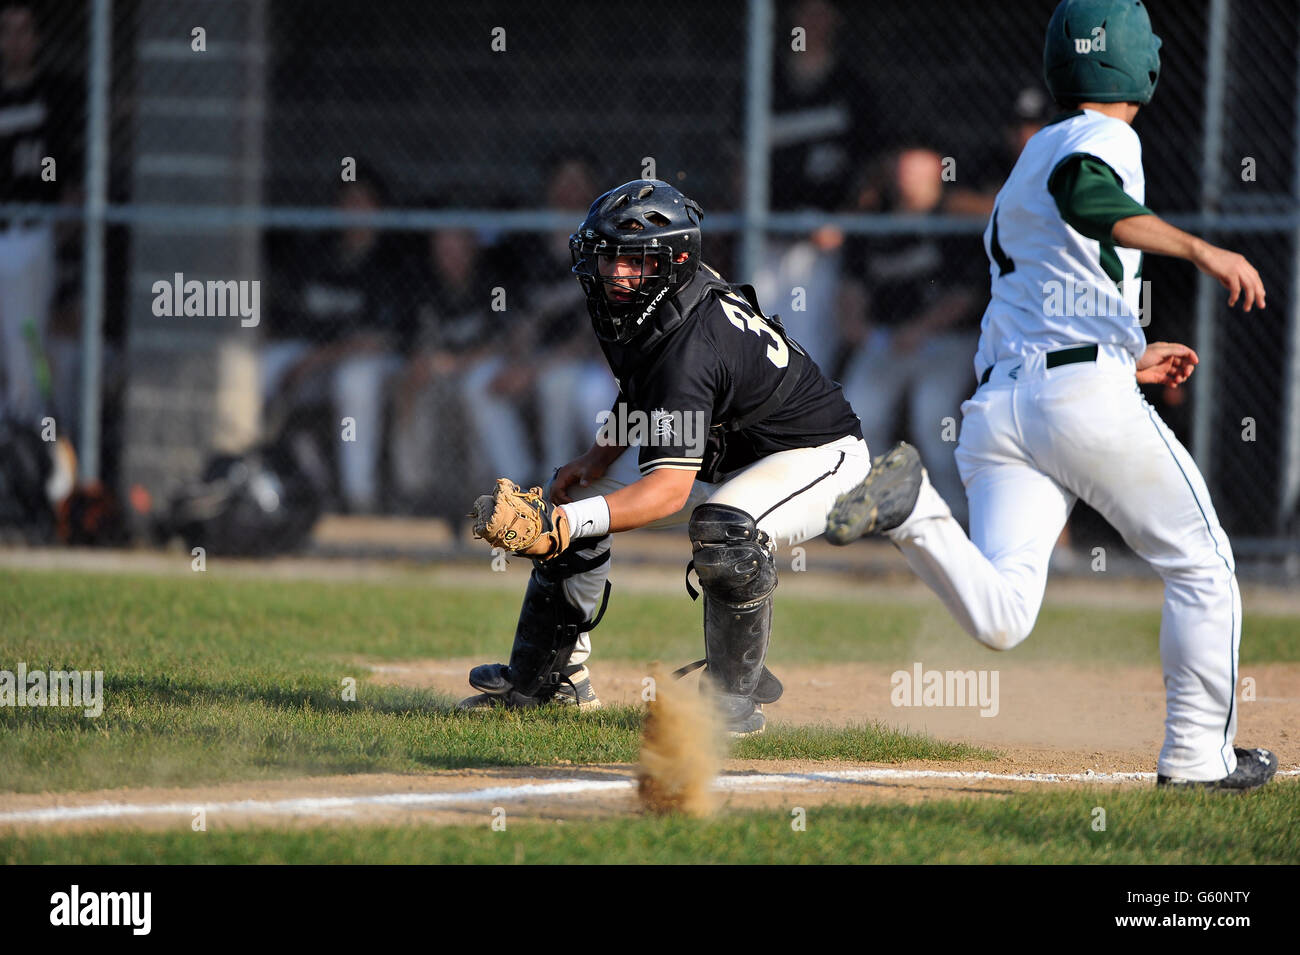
[[325, 242]]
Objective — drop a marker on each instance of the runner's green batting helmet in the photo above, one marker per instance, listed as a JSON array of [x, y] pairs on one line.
[[1101, 51]]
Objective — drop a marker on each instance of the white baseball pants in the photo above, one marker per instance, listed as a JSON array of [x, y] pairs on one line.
[[1033, 441], [788, 493]]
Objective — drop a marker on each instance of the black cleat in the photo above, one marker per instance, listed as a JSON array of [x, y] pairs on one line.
[[1255, 767], [741, 716], [490, 678], [572, 689], [882, 501]]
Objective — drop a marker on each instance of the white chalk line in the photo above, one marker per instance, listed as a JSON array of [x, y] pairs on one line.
[[496, 795]]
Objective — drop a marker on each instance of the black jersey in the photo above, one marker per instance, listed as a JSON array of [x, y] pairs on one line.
[[30, 117], [717, 366]]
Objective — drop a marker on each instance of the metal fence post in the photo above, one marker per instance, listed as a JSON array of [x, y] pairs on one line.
[[1211, 192], [758, 105], [92, 317]]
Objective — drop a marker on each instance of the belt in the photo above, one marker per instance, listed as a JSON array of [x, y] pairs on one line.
[[1062, 356]]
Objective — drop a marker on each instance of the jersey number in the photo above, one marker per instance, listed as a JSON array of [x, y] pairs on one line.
[[1004, 263], [739, 314]]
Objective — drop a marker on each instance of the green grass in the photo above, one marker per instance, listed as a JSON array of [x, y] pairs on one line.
[[198, 618], [875, 743], [174, 733], [1142, 826], [210, 678]]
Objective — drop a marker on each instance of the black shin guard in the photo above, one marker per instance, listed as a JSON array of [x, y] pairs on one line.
[[546, 634], [738, 576]]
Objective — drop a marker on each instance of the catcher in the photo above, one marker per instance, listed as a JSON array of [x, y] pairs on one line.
[[738, 435]]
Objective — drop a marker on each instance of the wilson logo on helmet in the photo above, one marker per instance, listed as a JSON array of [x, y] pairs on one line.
[[1120, 30], [1094, 44]]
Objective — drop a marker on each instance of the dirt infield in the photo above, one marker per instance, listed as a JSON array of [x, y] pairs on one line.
[[1051, 718]]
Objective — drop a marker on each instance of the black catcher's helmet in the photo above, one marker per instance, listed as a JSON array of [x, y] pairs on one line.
[[647, 218]]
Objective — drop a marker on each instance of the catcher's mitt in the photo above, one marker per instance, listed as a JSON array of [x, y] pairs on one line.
[[520, 521]]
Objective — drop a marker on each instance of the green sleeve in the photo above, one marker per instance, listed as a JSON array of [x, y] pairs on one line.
[[1091, 196]]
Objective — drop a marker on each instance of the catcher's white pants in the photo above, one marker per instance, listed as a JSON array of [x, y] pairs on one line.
[[1033, 441], [789, 493]]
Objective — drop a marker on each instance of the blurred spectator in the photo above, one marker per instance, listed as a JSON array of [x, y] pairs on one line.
[[979, 180], [819, 113], [912, 308], [31, 104], [337, 341], [574, 382], [463, 381], [800, 281]]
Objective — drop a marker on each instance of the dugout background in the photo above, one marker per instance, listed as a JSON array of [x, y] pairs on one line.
[[225, 164]]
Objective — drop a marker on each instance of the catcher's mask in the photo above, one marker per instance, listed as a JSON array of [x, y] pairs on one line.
[[659, 228]]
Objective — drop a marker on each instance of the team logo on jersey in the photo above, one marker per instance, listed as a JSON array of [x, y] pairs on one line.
[[661, 425], [660, 428]]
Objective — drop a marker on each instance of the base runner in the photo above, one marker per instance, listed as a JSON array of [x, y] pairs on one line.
[[1058, 415]]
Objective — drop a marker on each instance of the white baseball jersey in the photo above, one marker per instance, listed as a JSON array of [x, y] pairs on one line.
[[1051, 286]]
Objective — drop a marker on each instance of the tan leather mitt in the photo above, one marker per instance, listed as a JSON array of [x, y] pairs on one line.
[[520, 521]]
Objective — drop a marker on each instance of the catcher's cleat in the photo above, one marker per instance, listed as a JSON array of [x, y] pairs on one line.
[[576, 690], [884, 499], [490, 678], [1255, 767], [572, 689], [741, 716]]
